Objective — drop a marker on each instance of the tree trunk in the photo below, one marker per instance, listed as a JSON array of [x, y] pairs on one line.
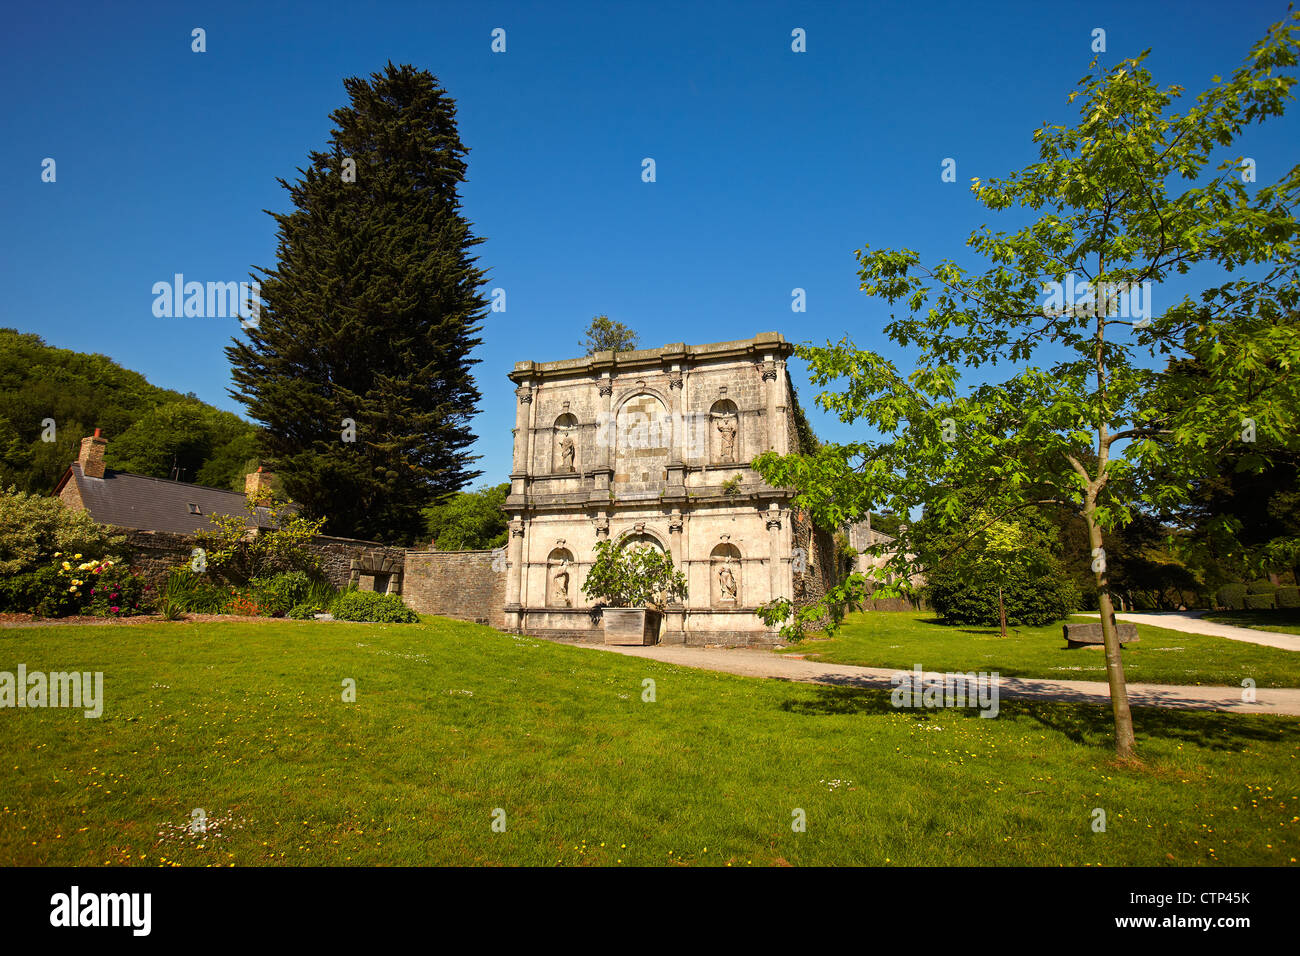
[[1002, 612], [1125, 743]]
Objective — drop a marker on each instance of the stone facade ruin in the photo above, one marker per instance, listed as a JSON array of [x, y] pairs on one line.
[[653, 447]]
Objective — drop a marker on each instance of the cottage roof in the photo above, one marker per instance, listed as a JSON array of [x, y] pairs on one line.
[[127, 500]]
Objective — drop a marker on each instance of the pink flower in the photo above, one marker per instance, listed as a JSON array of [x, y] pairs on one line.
[[114, 609]]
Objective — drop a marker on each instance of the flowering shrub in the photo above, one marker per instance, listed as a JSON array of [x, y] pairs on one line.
[[243, 604], [115, 591]]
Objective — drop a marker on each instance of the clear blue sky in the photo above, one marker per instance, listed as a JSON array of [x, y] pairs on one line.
[[772, 166]]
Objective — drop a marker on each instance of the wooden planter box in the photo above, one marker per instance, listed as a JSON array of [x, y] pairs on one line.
[[630, 625]]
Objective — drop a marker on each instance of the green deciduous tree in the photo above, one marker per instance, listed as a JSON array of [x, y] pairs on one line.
[[469, 520], [359, 365], [606, 335], [1095, 417]]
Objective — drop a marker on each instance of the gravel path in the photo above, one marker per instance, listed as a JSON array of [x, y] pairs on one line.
[[1191, 623], [761, 663]]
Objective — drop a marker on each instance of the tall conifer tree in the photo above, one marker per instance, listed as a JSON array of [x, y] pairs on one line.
[[359, 365]]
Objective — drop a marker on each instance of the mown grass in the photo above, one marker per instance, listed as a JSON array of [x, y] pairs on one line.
[[452, 721], [1281, 620], [904, 638]]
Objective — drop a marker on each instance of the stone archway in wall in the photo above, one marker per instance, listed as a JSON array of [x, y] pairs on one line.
[[642, 441], [378, 572]]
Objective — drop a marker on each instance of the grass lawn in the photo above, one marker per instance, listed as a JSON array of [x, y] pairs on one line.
[[904, 638], [1282, 620], [245, 720]]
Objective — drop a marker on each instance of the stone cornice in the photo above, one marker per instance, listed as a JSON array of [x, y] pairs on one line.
[[658, 360]]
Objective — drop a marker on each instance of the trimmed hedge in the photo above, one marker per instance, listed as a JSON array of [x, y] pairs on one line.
[[1261, 587], [369, 606], [1259, 602], [1288, 597], [1232, 596], [1029, 601]]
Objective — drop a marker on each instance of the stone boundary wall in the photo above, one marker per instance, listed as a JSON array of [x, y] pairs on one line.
[[155, 553], [458, 584]]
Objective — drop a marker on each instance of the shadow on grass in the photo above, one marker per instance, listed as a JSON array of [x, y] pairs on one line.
[[1085, 724]]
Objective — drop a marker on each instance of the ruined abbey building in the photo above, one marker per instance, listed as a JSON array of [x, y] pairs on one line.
[[653, 447]]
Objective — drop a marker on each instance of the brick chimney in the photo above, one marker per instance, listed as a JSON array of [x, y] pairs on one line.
[[91, 458], [257, 484]]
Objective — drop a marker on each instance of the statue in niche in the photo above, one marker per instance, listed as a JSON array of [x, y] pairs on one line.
[[727, 431], [560, 590], [727, 582], [567, 452]]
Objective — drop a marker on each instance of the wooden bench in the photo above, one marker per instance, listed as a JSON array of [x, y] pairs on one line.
[[1083, 635]]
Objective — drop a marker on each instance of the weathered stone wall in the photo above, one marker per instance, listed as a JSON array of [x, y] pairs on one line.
[[459, 584], [155, 553], [820, 573]]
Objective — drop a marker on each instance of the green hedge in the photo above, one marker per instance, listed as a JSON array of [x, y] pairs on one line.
[[1232, 596], [1259, 602], [1029, 601], [1261, 587], [1288, 597], [368, 606]]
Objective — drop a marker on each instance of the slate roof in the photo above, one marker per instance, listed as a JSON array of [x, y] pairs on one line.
[[128, 500]]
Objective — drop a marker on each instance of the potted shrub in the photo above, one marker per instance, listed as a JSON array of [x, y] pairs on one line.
[[635, 583]]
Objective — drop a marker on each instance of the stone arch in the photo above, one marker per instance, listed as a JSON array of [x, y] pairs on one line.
[[565, 454], [724, 432], [642, 442], [376, 570], [726, 577], [641, 535], [561, 582]]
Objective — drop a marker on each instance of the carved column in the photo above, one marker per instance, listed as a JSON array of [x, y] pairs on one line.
[[782, 392], [606, 436], [775, 568], [768, 370], [523, 435], [676, 453], [514, 574]]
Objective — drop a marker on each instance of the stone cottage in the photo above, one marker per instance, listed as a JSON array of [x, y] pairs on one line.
[[161, 517]]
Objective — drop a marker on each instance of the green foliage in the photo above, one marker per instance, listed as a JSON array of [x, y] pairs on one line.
[[808, 440], [1261, 587], [116, 591], [186, 591], [370, 316], [966, 570], [235, 555], [1110, 422], [1232, 596], [277, 593], [81, 392], [1288, 597], [633, 575], [1259, 602], [469, 520], [369, 606], [606, 335], [34, 528], [731, 486]]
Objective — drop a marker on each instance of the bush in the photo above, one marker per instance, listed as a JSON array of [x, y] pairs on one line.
[[277, 594], [1259, 602], [1029, 600], [1261, 587], [115, 591], [369, 606], [34, 528], [1288, 597], [194, 593], [306, 611], [1232, 596]]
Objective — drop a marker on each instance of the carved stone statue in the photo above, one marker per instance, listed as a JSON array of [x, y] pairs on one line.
[[561, 587], [727, 430], [567, 452], [727, 582]]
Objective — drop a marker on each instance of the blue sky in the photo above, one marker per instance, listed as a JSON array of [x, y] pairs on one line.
[[772, 166]]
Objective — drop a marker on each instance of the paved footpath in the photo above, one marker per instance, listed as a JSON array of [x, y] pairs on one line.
[[1191, 623], [762, 663]]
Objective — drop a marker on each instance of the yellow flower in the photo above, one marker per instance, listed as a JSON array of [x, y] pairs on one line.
[[66, 566], [76, 581], [73, 588], [76, 557], [58, 554]]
